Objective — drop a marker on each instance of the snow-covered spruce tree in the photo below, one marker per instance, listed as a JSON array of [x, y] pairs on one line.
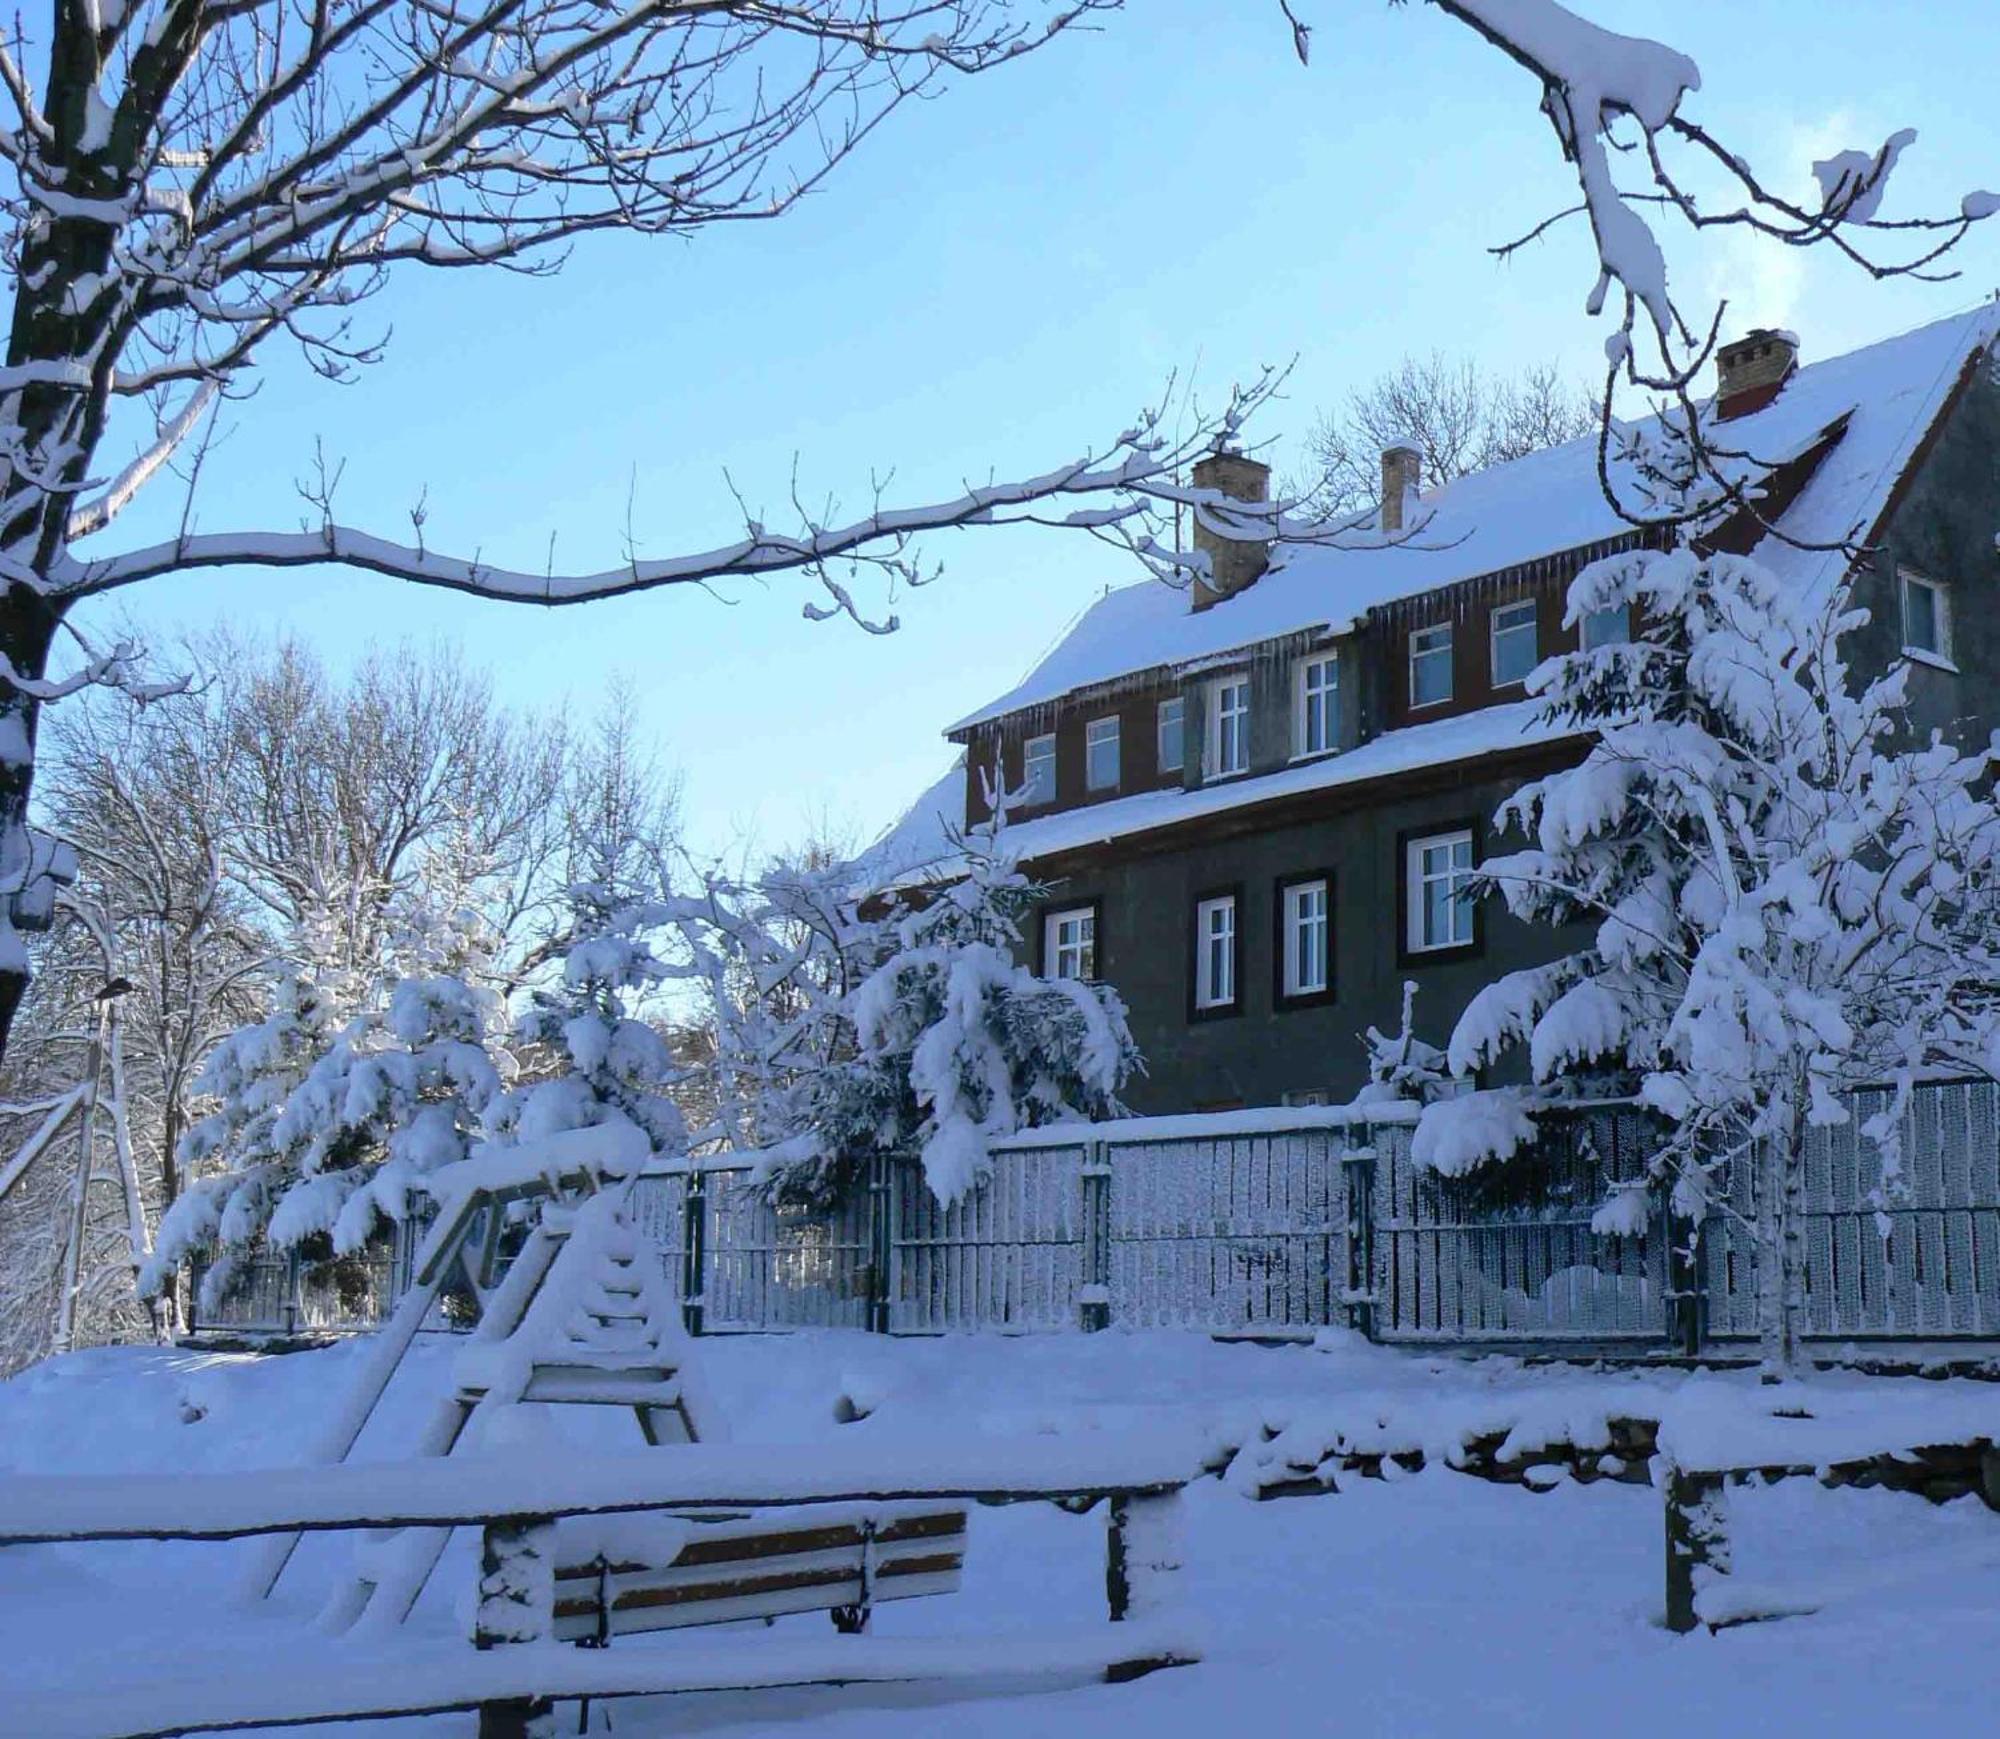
[[335, 1107], [589, 1058], [1790, 899], [956, 1045], [235, 1159]]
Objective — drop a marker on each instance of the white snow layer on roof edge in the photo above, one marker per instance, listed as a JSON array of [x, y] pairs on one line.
[[1490, 731], [1543, 505]]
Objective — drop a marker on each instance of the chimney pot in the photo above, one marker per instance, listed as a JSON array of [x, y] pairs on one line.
[[1752, 370], [1233, 563], [1402, 478]]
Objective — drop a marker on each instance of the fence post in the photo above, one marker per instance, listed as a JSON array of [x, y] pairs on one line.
[[694, 1250], [881, 1240], [1687, 1305], [1093, 1299], [1357, 1165], [291, 1304]]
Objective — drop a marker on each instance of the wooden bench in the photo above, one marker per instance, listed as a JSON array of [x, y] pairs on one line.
[[512, 1674]]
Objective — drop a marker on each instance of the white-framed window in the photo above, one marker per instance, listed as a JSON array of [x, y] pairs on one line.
[[1515, 646], [1608, 627], [1173, 735], [1430, 665], [1215, 952], [1926, 617], [1316, 705], [1440, 914], [1038, 770], [1069, 943], [1100, 754], [1228, 727], [1307, 930]]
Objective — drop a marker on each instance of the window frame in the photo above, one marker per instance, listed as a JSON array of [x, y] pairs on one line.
[[1329, 697], [1212, 768], [1408, 842], [1449, 649], [1028, 798], [1091, 909], [1284, 998], [1198, 1010], [1092, 726], [1178, 702], [1494, 633], [1908, 580]]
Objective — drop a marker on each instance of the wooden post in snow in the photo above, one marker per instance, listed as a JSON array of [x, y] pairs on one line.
[[1143, 1555], [517, 1602], [1697, 1541]]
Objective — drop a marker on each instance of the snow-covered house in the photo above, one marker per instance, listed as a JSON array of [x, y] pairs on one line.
[[1253, 803]]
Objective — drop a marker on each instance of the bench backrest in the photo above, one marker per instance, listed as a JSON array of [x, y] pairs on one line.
[[674, 1573]]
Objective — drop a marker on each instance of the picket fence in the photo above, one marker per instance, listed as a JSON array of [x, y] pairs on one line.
[[1280, 1223]]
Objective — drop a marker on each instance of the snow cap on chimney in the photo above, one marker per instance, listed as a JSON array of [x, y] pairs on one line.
[[1752, 370], [1402, 479], [1233, 562]]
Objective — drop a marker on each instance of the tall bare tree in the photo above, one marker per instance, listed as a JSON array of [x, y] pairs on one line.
[[1460, 417], [185, 182]]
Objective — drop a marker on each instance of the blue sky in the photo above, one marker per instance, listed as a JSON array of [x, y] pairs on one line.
[[1000, 278]]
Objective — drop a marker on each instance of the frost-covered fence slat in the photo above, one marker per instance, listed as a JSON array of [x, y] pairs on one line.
[[1910, 1257], [1009, 1255], [773, 1267], [1509, 1254], [1238, 1232]]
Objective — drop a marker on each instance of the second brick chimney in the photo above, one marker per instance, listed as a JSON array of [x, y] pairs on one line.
[[1233, 563], [1402, 480], [1752, 370]]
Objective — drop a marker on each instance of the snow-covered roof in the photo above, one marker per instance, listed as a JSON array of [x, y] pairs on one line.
[[1543, 505], [923, 844]]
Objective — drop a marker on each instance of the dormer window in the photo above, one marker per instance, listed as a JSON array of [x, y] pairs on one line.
[[1038, 771], [1100, 754], [1430, 665], [1316, 705], [1611, 626], [1228, 727]]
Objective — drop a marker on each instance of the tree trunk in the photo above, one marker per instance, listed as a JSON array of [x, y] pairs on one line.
[[1781, 1249]]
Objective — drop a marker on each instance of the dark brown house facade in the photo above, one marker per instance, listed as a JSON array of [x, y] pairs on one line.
[[1253, 805]]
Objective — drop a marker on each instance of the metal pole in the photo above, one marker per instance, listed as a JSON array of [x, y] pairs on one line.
[[79, 1198]]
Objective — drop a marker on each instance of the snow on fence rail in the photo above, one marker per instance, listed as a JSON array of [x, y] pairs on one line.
[[1278, 1222]]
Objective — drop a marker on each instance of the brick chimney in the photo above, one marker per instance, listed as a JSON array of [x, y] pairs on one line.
[[1752, 370], [1402, 479], [1233, 563]]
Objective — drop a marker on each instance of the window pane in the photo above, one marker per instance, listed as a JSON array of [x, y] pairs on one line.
[[1612, 627], [1317, 707], [1173, 752], [1039, 767], [1215, 959], [1514, 642], [1229, 727], [1923, 625], [1441, 912], [1101, 754], [1305, 950], [1430, 666]]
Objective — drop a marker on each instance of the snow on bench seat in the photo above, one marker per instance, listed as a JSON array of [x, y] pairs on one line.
[[470, 1489], [329, 1682]]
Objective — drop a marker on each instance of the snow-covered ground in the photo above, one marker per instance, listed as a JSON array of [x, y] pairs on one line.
[[1434, 1604]]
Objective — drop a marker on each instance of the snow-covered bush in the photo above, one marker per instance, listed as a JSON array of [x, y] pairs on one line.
[[1789, 898]]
